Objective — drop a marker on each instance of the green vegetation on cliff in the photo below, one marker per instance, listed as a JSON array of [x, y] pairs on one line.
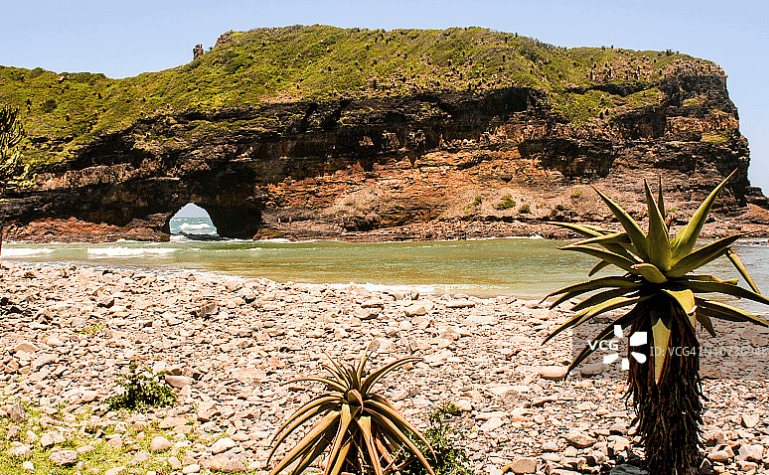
[[63, 111]]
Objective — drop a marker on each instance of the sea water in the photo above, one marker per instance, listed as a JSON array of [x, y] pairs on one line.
[[524, 267]]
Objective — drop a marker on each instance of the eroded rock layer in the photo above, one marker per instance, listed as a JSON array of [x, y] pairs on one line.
[[339, 168]]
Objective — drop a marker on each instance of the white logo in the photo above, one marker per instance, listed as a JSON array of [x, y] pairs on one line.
[[636, 339]]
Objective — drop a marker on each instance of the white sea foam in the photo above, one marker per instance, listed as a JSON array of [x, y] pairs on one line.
[[127, 251], [194, 227], [24, 251]]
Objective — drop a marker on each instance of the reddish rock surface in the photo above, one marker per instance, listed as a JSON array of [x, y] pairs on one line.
[[426, 166]]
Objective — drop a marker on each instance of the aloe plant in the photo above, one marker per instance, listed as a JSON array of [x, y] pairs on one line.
[[664, 298], [361, 430]]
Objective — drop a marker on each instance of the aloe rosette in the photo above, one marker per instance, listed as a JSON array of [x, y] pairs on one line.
[[361, 430], [666, 298]]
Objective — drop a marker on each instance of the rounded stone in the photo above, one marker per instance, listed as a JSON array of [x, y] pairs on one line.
[[63, 457], [160, 444]]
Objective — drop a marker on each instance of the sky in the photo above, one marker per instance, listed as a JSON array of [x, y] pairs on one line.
[[122, 39], [191, 210]]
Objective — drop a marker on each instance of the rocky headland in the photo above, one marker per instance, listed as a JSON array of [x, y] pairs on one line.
[[323, 133], [229, 346]]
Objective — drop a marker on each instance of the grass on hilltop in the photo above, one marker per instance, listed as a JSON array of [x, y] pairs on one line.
[[64, 111]]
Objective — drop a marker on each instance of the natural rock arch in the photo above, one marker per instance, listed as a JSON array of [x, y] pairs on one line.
[[254, 168]]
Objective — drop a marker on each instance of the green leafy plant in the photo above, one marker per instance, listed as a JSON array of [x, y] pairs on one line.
[[507, 202], [525, 208], [449, 459], [666, 300], [477, 201], [361, 429], [142, 391]]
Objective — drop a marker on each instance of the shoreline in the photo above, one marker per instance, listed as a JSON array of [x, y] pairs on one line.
[[72, 230], [68, 331]]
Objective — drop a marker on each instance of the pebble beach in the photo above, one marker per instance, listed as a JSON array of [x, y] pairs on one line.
[[229, 345]]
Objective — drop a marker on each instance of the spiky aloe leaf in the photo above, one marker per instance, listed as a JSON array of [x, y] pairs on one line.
[[328, 382], [340, 373], [737, 262], [658, 240], [651, 273], [303, 415], [307, 442], [587, 231], [632, 228], [661, 199], [392, 431], [699, 286], [728, 312], [662, 323], [684, 298], [363, 360], [598, 267], [701, 256], [345, 419], [705, 322], [598, 309], [602, 297], [368, 439], [624, 322], [686, 301], [618, 243], [376, 405], [687, 237], [595, 284], [336, 469], [613, 258], [316, 452], [381, 372]]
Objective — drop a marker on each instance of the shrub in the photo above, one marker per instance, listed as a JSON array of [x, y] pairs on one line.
[[507, 202], [525, 208], [362, 430], [448, 459], [478, 201], [576, 194], [49, 105], [142, 391]]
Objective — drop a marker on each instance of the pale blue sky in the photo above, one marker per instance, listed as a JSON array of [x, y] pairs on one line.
[[126, 38]]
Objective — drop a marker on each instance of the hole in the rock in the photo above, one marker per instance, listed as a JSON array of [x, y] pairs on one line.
[[193, 222]]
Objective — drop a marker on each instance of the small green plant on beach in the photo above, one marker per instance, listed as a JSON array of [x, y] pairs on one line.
[[507, 202], [449, 458], [82, 428], [142, 391], [361, 430], [91, 330], [666, 300]]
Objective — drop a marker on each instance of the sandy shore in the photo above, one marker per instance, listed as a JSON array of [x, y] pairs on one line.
[[230, 343]]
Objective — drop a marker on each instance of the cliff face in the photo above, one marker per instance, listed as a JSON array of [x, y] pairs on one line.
[[422, 159]]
